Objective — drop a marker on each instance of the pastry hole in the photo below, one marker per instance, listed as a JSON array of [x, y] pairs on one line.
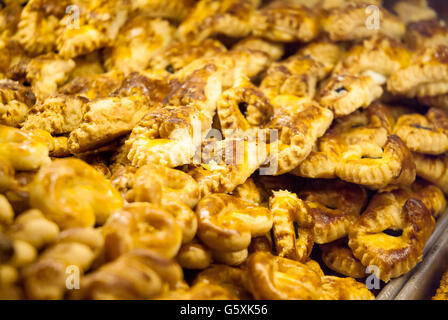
[[243, 107], [170, 68], [393, 233], [368, 157], [341, 89], [417, 126], [296, 229]]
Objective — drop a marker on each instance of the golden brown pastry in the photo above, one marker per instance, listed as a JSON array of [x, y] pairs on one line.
[[141, 225], [285, 21], [210, 17], [355, 22], [139, 40], [335, 205], [393, 255], [426, 75], [293, 226], [414, 11], [75, 251], [139, 274], [15, 101], [227, 223], [426, 33], [175, 9], [427, 134], [194, 255], [433, 168], [338, 256], [334, 288], [73, 194]]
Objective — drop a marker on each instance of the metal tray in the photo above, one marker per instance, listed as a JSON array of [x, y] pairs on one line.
[[395, 288]]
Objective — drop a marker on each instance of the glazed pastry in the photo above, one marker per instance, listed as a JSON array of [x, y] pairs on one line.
[[442, 291]]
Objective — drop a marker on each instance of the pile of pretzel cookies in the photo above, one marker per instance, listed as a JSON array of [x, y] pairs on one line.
[[219, 149]]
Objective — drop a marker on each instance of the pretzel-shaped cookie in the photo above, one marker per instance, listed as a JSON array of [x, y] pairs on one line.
[[23, 149], [227, 223], [98, 25], [424, 134], [37, 25], [433, 168], [285, 21], [73, 194], [348, 22], [338, 256], [426, 75], [210, 17], [288, 210], [141, 225], [345, 93], [380, 54], [335, 205], [242, 108], [393, 256], [46, 278], [276, 278], [300, 122], [139, 40], [139, 274], [226, 164]]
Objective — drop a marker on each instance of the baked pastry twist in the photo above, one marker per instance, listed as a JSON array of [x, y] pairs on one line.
[[338, 256], [393, 256], [15, 101], [291, 213]]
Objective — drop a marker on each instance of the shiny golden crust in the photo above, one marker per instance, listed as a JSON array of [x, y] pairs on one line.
[[210, 17], [175, 10], [194, 255], [442, 291], [88, 65], [285, 21], [180, 54], [298, 75], [416, 11], [350, 23], [249, 191], [231, 279], [25, 150], [433, 168], [47, 277], [106, 119], [98, 24], [274, 50], [73, 194], [300, 122], [15, 101], [426, 76], [242, 108], [289, 213], [141, 225], [427, 33], [47, 72], [59, 114], [139, 274], [393, 166], [171, 184], [431, 196], [338, 256], [325, 52], [226, 164], [424, 134], [335, 205], [227, 223], [393, 256], [94, 86], [334, 288], [230, 258], [344, 93], [38, 22], [139, 40], [276, 278], [165, 136], [6, 213], [199, 291], [380, 54]]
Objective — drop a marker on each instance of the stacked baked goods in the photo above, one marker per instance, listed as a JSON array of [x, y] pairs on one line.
[[280, 149]]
